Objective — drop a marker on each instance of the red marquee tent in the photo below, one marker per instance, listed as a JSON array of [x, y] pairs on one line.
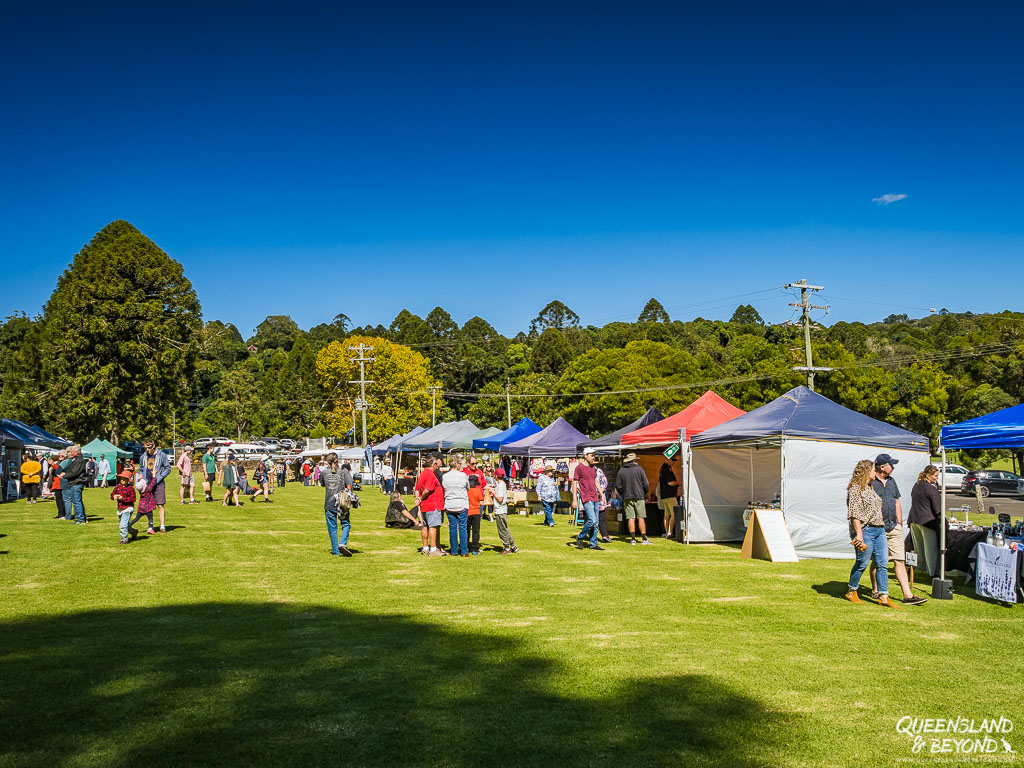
[[708, 410]]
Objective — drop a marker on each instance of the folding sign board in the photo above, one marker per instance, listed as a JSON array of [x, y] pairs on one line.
[[768, 538]]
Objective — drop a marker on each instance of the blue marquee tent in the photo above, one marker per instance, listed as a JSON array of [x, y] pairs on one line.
[[1002, 429], [521, 429]]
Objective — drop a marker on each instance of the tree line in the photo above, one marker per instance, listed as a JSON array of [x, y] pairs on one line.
[[121, 350]]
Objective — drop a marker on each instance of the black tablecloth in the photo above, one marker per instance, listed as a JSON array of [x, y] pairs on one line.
[[958, 548]]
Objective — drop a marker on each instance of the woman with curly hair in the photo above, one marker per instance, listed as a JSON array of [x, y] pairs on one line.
[[867, 531]]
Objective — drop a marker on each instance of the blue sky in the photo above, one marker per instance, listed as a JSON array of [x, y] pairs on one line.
[[363, 158]]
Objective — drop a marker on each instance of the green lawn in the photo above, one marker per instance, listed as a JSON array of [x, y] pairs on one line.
[[236, 639]]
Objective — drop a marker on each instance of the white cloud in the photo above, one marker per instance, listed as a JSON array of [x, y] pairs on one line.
[[888, 199]]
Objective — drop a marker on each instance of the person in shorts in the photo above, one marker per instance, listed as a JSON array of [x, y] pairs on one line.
[[892, 513], [210, 466], [430, 500], [188, 480], [668, 492], [156, 467], [632, 486]]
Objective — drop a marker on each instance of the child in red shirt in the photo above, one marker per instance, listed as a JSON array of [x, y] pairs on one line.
[[476, 497], [124, 494]]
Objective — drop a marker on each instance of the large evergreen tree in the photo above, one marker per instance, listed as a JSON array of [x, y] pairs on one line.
[[120, 338]]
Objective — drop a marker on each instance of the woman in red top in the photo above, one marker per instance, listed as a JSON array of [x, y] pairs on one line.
[[58, 495]]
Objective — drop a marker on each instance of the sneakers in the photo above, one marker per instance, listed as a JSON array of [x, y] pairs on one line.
[[124, 541], [437, 553], [514, 549], [632, 542], [606, 539], [645, 541], [598, 548], [162, 529], [345, 551], [915, 600], [852, 596], [476, 552]]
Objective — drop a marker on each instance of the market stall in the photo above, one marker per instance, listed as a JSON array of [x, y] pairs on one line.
[[797, 451]]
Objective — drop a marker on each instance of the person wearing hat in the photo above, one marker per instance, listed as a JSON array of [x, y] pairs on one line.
[[124, 494], [585, 493], [632, 485], [547, 492], [892, 514]]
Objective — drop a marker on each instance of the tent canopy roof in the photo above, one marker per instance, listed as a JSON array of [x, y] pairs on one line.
[[708, 410], [653, 416], [392, 443], [31, 435], [559, 438], [465, 443], [442, 434], [518, 431], [801, 413], [99, 445], [1001, 429]]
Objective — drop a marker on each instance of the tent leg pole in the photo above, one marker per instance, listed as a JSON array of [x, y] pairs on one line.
[[942, 588]]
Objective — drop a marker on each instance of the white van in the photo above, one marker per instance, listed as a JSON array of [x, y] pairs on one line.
[[242, 450]]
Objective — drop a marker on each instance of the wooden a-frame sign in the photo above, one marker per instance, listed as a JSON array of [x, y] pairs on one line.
[[768, 537]]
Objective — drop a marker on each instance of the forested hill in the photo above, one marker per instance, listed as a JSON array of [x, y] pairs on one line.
[[121, 350]]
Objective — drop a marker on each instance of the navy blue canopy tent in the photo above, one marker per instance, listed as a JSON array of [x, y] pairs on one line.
[[32, 435], [613, 440], [1002, 429], [521, 429], [557, 439], [799, 451]]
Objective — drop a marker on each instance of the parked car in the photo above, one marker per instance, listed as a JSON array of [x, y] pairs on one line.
[[993, 482], [202, 443], [287, 443], [954, 476]]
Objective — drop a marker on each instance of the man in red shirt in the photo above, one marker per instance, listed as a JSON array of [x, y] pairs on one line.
[[471, 469], [584, 491], [430, 500]]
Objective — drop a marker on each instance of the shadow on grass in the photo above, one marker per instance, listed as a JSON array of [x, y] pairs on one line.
[[241, 684], [834, 588]]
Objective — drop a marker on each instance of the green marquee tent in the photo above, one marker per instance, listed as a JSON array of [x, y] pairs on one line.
[[100, 447]]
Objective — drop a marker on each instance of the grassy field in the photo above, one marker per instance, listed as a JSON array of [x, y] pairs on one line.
[[236, 639]]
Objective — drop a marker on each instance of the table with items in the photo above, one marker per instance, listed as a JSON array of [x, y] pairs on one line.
[[997, 563]]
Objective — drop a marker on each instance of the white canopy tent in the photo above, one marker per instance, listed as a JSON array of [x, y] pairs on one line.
[[800, 449]]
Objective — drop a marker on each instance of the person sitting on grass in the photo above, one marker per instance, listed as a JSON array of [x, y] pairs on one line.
[[124, 494], [867, 530], [398, 516]]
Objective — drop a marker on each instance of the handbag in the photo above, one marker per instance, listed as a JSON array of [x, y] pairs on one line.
[[206, 486]]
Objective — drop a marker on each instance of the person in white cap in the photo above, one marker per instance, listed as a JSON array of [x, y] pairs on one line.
[[632, 485], [547, 492]]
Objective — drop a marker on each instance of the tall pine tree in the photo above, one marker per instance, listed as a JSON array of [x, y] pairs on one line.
[[120, 338]]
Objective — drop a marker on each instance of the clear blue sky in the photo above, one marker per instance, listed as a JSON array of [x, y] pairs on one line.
[[361, 158]]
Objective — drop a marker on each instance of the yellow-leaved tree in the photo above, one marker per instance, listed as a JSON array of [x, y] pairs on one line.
[[398, 397]]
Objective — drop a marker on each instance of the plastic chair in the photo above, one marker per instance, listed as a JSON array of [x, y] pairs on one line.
[[926, 544]]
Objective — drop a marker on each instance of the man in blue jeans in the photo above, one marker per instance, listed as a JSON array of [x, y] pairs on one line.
[[584, 491], [72, 480]]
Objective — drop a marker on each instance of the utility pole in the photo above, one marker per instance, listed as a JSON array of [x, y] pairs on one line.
[[433, 405], [805, 319], [508, 402], [362, 349]]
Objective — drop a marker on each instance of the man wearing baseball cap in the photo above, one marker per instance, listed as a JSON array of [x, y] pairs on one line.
[[892, 515]]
